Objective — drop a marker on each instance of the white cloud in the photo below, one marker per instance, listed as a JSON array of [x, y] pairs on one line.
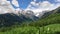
[[33, 3], [15, 2], [46, 4], [3, 0], [57, 0], [42, 6], [6, 7]]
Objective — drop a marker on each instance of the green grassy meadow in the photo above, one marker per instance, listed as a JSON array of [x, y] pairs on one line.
[[49, 29]]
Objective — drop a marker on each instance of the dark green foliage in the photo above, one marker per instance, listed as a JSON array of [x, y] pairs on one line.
[[57, 32], [51, 19], [8, 19], [13, 19]]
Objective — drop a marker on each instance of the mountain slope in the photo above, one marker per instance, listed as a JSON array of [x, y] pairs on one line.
[[46, 14], [10, 19], [52, 18]]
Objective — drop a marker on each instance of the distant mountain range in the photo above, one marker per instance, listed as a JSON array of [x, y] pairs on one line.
[[9, 17], [48, 18]]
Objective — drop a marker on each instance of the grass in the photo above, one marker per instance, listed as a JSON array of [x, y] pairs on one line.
[[49, 29], [22, 30]]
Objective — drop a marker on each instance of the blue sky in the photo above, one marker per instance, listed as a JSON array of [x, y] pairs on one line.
[[24, 3], [37, 6]]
